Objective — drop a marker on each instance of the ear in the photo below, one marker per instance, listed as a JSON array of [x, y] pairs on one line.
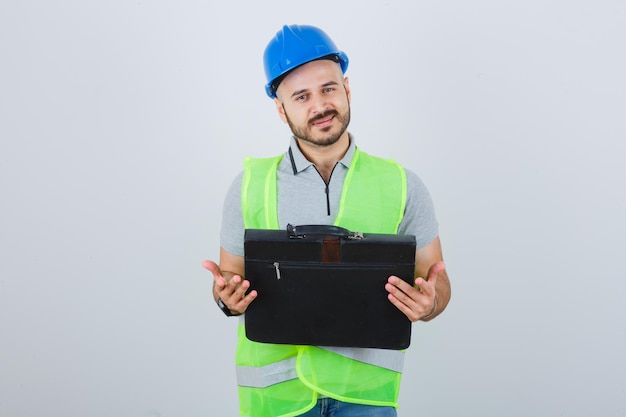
[[346, 85], [280, 109]]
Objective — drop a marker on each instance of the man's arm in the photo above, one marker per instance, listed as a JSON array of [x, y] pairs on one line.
[[431, 293], [228, 282]]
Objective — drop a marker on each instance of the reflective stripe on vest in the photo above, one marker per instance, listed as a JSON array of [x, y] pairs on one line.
[[268, 375], [277, 372], [383, 358]]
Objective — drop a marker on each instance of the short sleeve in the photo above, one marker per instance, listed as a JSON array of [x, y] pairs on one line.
[[419, 215], [231, 234]]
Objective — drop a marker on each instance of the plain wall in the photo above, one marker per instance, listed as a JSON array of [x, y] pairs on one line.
[[122, 124]]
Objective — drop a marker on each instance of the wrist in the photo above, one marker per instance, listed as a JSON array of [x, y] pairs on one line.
[[432, 313], [227, 311]]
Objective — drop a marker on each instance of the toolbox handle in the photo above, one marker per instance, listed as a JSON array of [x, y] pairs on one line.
[[300, 232]]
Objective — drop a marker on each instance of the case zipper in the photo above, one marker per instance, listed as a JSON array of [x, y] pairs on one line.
[[277, 265]]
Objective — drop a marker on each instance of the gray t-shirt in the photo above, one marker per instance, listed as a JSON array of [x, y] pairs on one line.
[[304, 198]]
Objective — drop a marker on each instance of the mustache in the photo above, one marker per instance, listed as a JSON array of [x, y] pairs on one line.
[[323, 116]]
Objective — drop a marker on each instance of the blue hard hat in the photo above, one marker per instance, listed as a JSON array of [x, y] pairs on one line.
[[296, 45]]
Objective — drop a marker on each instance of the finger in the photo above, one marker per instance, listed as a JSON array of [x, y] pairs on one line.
[[241, 288], [405, 292], [220, 283], [235, 289], [403, 307], [425, 287], [399, 283], [226, 289], [238, 304], [243, 303], [234, 282], [402, 291]]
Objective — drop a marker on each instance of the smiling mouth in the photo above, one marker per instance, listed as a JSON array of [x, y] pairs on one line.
[[324, 120]]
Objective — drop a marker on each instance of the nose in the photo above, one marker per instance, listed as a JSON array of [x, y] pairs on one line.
[[318, 104]]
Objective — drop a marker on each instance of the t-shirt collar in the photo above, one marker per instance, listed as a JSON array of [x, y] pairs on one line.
[[299, 162]]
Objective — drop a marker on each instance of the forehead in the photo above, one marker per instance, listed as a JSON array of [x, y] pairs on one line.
[[311, 75]]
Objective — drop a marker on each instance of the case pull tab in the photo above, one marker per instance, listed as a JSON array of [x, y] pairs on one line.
[[277, 265]]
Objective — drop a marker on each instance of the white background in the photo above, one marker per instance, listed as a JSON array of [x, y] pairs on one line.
[[122, 124]]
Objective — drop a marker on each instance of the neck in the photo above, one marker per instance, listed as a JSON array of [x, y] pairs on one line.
[[325, 157]]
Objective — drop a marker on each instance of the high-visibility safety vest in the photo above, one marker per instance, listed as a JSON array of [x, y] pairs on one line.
[[284, 380]]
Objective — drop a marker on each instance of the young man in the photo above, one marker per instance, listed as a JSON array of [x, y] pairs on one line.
[[322, 179]]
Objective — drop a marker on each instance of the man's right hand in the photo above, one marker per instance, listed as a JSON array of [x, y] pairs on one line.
[[230, 288]]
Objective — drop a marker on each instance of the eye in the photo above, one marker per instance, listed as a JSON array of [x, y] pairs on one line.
[[328, 90], [301, 97]]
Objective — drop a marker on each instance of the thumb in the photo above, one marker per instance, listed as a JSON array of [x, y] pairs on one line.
[[435, 269], [213, 267], [218, 279]]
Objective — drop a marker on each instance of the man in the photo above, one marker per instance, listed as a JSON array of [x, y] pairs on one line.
[[305, 73]]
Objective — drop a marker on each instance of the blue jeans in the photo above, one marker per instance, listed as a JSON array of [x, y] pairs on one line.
[[328, 407]]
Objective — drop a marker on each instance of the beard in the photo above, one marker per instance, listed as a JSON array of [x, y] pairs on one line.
[[326, 137]]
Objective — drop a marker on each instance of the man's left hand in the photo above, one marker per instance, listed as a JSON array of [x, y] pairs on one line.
[[418, 301]]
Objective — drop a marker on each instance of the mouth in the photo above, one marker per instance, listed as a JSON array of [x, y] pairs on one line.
[[323, 121]]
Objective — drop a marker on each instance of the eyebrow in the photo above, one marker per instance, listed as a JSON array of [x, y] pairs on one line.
[[329, 83]]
